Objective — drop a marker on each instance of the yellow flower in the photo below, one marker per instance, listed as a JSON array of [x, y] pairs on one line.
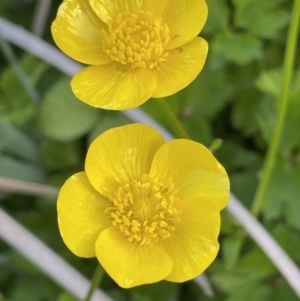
[[148, 210], [137, 49]]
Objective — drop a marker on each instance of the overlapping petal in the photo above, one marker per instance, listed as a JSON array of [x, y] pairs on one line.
[[107, 10], [181, 67], [81, 215], [124, 152], [194, 169], [77, 31], [131, 264], [194, 245], [185, 20], [114, 87]]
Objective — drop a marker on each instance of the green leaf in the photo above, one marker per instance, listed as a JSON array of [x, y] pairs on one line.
[[8, 3], [218, 16], [269, 81], [34, 289], [243, 185], [17, 142], [262, 18], [290, 138], [116, 295], [249, 113], [289, 239], [251, 292], [265, 115], [16, 106], [253, 268], [240, 48], [161, 291], [209, 93], [198, 128], [66, 297], [231, 248], [107, 120], [244, 158], [282, 197], [63, 117], [282, 291], [10, 167], [61, 154], [255, 263]]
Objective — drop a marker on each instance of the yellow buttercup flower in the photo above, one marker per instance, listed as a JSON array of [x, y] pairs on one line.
[[148, 210], [137, 49]]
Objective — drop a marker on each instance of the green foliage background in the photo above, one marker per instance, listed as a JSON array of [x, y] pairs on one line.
[[234, 98]]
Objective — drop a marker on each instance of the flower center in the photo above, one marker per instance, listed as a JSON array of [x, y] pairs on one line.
[[144, 210], [136, 40]]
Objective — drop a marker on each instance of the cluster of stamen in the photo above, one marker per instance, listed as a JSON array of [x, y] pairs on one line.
[[144, 209], [136, 40]]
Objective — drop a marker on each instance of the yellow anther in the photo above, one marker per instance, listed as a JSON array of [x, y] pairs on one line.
[[144, 209], [136, 40]]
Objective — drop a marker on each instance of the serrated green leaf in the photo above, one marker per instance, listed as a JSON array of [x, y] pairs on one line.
[[240, 48], [282, 196], [62, 117], [269, 17], [249, 114], [251, 270]]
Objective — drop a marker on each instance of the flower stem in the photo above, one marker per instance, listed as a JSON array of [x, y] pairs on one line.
[[172, 119], [96, 279], [289, 58]]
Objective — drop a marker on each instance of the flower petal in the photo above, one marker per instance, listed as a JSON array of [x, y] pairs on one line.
[[131, 264], [194, 170], [185, 20], [193, 245], [107, 10], [77, 31], [180, 68], [81, 215], [113, 87], [123, 152]]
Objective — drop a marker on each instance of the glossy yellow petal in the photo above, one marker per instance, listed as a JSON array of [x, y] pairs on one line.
[[193, 245], [107, 10], [131, 264], [77, 32], [185, 20], [81, 215], [113, 87], [180, 68], [119, 153], [194, 170]]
